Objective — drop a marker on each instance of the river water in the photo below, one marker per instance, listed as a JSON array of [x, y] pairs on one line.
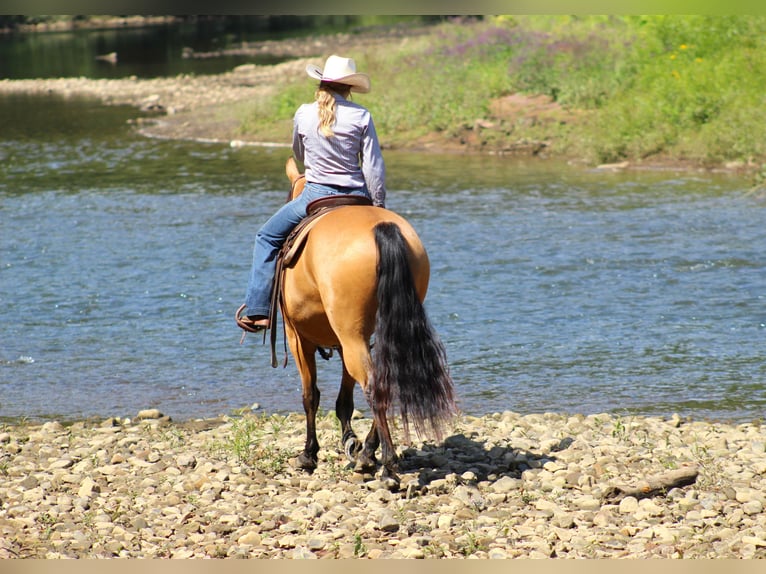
[[554, 288]]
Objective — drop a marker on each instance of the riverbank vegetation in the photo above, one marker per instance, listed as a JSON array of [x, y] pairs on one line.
[[602, 89], [648, 90]]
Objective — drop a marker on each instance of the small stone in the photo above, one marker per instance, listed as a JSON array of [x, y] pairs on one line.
[[469, 495], [251, 539], [465, 513], [650, 507], [445, 521], [87, 488], [52, 427], [563, 520], [602, 518], [546, 506], [587, 503], [754, 540], [388, 523], [230, 519], [186, 460], [506, 484], [290, 527], [413, 553], [29, 483], [148, 414], [628, 505], [468, 477], [347, 550], [302, 553], [139, 523], [268, 525]]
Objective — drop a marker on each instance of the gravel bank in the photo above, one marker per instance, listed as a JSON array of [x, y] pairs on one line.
[[181, 107], [499, 486]]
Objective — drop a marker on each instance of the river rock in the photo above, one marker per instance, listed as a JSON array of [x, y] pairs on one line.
[[194, 497]]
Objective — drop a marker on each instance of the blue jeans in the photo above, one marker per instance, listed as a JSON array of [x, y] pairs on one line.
[[272, 236]]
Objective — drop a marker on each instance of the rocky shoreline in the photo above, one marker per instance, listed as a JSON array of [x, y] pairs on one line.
[[503, 485]]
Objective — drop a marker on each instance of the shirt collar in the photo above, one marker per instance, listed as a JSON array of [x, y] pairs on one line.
[[338, 97]]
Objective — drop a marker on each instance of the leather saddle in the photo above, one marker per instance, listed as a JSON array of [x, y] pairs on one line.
[[291, 250]]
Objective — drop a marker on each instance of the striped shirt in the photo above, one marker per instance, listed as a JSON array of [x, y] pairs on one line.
[[351, 158]]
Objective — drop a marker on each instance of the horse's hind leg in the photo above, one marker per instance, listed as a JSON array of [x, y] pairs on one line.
[[344, 409], [387, 451], [356, 359], [366, 460], [379, 435]]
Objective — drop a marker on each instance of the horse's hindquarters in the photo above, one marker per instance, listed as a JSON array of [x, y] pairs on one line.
[[331, 289]]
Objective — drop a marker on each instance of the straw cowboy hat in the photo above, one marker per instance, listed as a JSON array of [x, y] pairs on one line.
[[341, 71]]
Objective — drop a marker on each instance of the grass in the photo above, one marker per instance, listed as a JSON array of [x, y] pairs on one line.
[[683, 88], [254, 441]]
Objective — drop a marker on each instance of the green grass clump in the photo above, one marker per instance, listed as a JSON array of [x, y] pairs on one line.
[[254, 441]]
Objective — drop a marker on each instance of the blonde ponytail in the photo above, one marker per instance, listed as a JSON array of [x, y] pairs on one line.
[[326, 104]]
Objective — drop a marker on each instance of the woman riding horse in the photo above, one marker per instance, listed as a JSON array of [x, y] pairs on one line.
[[362, 275], [330, 136]]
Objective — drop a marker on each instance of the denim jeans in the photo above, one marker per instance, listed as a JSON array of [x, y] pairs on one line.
[[272, 235]]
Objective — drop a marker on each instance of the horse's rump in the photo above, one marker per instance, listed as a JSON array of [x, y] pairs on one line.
[[335, 276]]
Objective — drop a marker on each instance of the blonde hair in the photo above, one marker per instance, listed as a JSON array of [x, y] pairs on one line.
[[326, 102]]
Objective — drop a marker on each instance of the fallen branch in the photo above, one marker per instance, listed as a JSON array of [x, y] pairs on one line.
[[653, 486]]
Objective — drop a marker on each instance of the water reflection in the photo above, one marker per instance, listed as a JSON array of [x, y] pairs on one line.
[[197, 45]]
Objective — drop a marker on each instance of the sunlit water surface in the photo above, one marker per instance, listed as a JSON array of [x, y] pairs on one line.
[[554, 288]]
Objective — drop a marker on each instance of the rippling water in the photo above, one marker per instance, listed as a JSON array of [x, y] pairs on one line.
[[122, 260]]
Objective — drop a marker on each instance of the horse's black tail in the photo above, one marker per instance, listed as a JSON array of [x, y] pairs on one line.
[[409, 361]]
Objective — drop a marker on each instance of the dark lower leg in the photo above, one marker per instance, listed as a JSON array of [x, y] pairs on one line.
[[387, 451], [344, 408], [308, 458], [366, 461]]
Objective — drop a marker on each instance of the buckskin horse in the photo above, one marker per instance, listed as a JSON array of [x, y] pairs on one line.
[[358, 286]]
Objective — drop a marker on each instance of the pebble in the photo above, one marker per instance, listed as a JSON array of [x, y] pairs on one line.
[[500, 486]]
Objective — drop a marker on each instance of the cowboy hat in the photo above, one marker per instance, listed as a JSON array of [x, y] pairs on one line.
[[341, 71]]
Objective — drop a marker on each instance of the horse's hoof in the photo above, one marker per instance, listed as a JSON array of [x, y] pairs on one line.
[[306, 462], [365, 467], [351, 447], [390, 479]]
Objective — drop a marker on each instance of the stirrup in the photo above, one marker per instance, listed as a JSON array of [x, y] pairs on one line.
[[246, 324]]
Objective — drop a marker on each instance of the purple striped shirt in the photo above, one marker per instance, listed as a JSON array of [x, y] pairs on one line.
[[350, 158]]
